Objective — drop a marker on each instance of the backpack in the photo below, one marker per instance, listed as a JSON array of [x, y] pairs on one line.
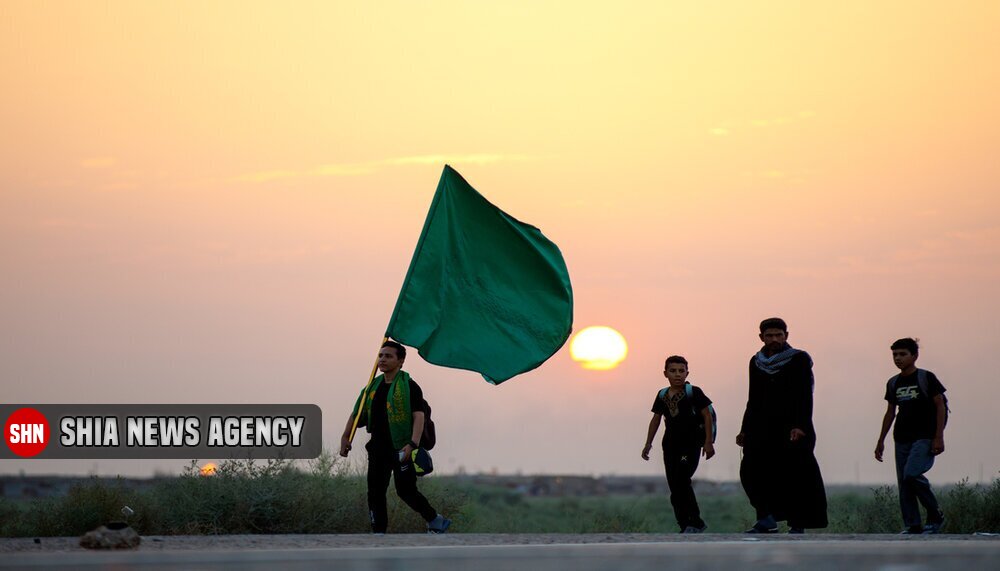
[[922, 385], [688, 391], [429, 437]]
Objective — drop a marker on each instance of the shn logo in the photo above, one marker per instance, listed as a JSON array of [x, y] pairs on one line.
[[26, 432]]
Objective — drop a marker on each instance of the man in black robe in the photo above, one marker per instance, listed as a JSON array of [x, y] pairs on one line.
[[779, 471]]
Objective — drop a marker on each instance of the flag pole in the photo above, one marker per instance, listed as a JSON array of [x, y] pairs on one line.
[[399, 300], [364, 394]]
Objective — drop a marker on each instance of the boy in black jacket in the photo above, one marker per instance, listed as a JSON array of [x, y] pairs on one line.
[[689, 432]]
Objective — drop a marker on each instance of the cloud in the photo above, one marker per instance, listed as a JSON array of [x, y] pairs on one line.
[[119, 185], [358, 169], [481, 159], [266, 176], [801, 115], [98, 162], [961, 254], [761, 123], [775, 175], [342, 170], [67, 223]]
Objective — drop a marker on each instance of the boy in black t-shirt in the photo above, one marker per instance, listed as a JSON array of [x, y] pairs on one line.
[[688, 425], [918, 436]]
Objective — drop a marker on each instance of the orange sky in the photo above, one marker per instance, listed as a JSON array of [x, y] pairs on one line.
[[218, 204]]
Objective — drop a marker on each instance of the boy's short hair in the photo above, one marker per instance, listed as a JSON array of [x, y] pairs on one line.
[[907, 344], [400, 350], [773, 323], [675, 359]]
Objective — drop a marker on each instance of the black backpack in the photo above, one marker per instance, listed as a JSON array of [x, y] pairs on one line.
[[922, 385], [688, 391], [429, 437]]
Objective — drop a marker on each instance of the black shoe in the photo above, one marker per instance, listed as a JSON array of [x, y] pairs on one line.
[[933, 527], [762, 528], [439, 524], [912, 530], [935, 521], [796, 530], [695, 528], [764, 525]]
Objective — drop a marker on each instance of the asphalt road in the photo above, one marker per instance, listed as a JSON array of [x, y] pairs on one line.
[[721, 552]]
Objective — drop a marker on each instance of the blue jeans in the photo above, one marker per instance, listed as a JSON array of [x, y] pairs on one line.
[[913, 460]]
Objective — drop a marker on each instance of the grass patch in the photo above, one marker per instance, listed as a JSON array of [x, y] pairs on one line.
[[329, 496], [243, 497]]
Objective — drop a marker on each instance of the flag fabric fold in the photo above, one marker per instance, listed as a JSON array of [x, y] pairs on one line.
[[484, 291]]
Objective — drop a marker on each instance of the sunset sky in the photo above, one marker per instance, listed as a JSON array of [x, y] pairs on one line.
[[207, 202]]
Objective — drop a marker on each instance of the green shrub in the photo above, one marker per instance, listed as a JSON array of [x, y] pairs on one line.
[[12, 522], [991, 507], [967, 508], [963, 506], [856, 513], [329, 496], [242, 497], [84, 507], [270, 497]]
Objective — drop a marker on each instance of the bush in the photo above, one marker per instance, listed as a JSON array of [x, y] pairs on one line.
[[329, 496], [967, 508], [991, 507], [83, 508], [243, 497], [853, 513]]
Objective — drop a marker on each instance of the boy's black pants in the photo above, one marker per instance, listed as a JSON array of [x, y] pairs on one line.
[[383, 464], [680, 462]]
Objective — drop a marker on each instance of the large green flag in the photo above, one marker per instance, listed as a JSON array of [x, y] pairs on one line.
[[484, 292]]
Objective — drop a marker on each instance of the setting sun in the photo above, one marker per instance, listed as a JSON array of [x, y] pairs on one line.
[[207, 469], [599, 348]]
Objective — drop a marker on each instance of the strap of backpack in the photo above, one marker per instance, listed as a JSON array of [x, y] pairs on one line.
[[892, 384], [715, 422], [922, 381], [688, 391]]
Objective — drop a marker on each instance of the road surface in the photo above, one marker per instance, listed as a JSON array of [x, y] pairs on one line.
[[555, 552]]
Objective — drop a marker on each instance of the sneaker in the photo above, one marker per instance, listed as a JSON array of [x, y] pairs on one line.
[[934, 522], [765, 525], [796, 530], [932, 527], [912, 530], [695, 529], [440, 524]]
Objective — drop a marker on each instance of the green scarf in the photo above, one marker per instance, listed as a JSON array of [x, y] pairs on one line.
[[397, 406]]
